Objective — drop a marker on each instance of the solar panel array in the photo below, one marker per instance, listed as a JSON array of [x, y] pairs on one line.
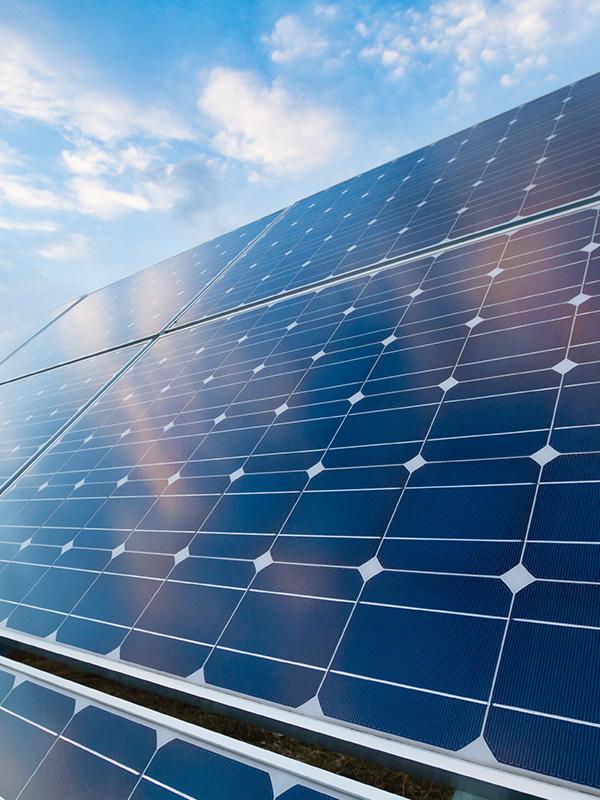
[[59, 740], [370, 498]]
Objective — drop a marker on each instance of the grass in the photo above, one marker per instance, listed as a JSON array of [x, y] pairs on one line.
[[349, 766]]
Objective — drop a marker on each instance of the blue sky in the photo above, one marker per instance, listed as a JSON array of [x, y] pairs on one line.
[[133, 129]]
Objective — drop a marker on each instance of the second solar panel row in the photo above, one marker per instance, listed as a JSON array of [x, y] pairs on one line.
[[529, 160]]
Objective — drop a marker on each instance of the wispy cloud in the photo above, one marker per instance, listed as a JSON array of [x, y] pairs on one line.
[[292, 39], [25, 191], [97, 198], [28, 226], [469, 40], [190, 187], [9, 157], [265, 126], [508, 38], [116, 155], [471, 36], [31, 87], [75, 247], [328, 11]]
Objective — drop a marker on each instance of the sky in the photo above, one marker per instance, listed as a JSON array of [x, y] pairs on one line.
[[131, 130]]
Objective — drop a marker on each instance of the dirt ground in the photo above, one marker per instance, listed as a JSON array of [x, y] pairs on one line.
[[349, 766]]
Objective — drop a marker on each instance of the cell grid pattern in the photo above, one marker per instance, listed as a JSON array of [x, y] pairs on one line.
[[56, 743], [374, 502]]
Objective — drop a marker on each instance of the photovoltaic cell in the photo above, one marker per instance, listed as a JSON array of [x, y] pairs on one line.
[[133, 308], [525, 161], [373, 502], [61, 740]]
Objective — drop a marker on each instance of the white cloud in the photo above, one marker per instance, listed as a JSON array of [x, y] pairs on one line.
[[114, 160], [265, 126], [327, 11], [292, 39], [8, 155], [75, 247], [137, 158], [507, 38], [21, 191], [96, 198], [103, 186], [42, 226], [112, 144], [31, 87], [187, 188], [108, 116], [394, 53], [90, 159]]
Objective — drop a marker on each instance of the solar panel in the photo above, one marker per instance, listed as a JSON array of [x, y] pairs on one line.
[[59, 739], [367, 509], [134, 308], [34, 409], [534, 158]]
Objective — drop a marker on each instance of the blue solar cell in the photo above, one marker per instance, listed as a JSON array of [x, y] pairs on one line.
[[23, 748], [339, 500], [445, 721], [558, 748], [199, 773], [540, 658], [89, 776], [40, 705], [60, 740], [468, 646], [460, 593]]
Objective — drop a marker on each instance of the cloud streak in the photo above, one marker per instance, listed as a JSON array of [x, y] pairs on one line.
[[75, 247], [27, 226]]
